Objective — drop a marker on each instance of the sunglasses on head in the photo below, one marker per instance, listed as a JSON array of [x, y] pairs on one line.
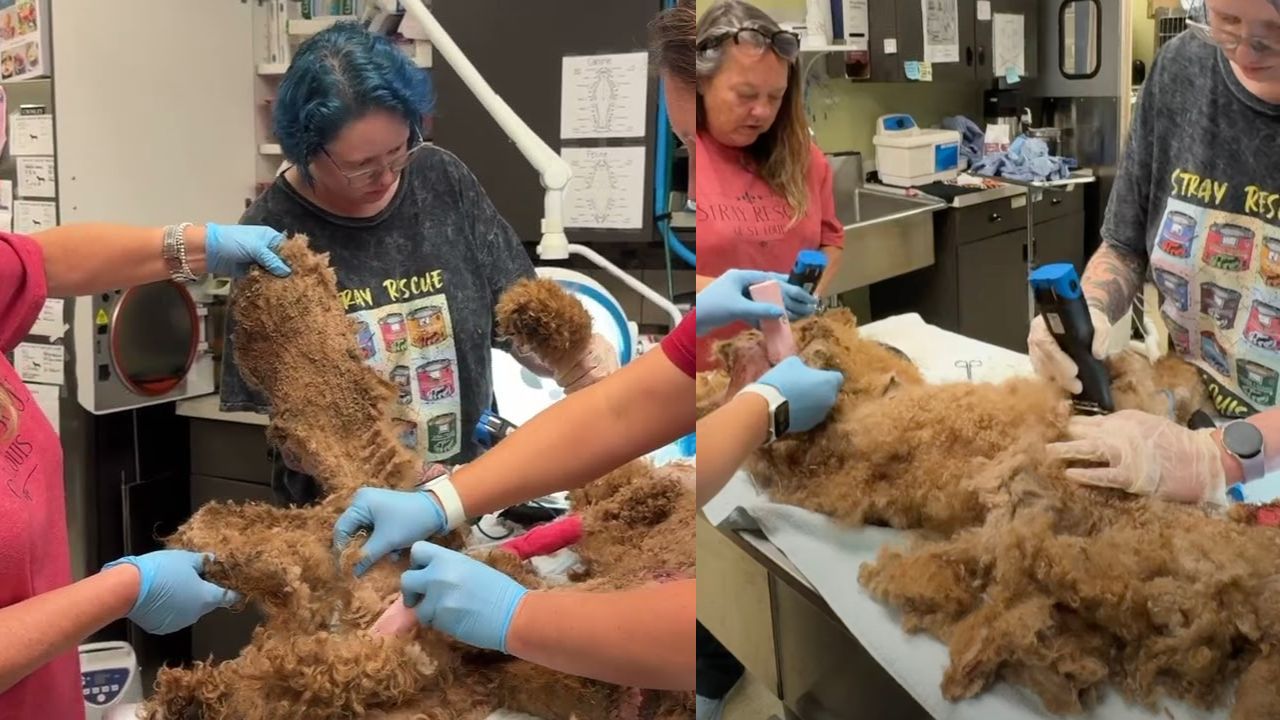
[[786, 44]]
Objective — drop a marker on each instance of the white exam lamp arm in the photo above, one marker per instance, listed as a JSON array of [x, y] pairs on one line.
[[553, 172]]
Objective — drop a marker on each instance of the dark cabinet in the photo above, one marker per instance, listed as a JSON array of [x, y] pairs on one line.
[[975, 31], [977, 286]]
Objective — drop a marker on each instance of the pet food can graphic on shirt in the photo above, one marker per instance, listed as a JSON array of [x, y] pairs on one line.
[[408, 431], [442, 433], [1177, 234], [1213, 353], [1270, 267], [404, 386], [436, 380], [426, 327], [1174, 287], [1228, 247], [1178, 335], [364, 340], [1219, 303], [394, 335], [1258, 382], [1263, 328]]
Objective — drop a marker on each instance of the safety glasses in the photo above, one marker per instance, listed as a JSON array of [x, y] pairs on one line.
[[1229, 41], [785, 44], [362, 178]]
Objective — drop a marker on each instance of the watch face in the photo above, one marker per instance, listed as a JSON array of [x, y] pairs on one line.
[[1242, 439], [782, 419]]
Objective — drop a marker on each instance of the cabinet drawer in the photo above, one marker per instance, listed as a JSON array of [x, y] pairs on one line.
[[230, 450], [989, 219], [1053, 205]]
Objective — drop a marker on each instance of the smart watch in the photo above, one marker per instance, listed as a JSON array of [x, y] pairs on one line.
[[779, 411], [450, 502], [1243, 440]]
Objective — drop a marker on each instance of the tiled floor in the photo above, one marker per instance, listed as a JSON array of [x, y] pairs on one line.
[[749, 700]]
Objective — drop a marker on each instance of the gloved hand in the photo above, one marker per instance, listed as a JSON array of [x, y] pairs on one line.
[[172, 594], [232, 249], [1055, 365], [599, 362], [810, 393], [460, 596], [1145, 454], [397, 518], [725, 300]]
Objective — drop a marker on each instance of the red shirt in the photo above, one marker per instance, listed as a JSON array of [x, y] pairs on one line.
[[35, 556], [743, 223], [679, 345]]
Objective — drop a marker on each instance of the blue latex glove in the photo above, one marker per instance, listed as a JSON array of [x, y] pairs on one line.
[[172, 594], [232, 249], [460, 596], [397, 518], [810, 393], [725, 300]]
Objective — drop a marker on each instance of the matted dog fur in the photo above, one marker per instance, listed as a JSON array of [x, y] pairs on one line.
[[1028, 577], [312, 656]]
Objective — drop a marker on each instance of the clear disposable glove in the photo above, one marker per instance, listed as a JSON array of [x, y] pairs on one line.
[[725, 300], [232, 249], [810, 393], [1144, 454], [172, 594], [1055, 365], [599, 361], [461, 597], [397, 518]]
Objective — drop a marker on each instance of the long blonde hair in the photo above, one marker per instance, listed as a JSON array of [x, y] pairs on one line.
[[781, 153]]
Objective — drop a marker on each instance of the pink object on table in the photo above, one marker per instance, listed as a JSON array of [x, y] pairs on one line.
[[397, 620], [546, 539], [778, 342]]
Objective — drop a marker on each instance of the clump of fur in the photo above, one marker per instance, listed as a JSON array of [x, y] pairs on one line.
[[313, 656], [538, 316], [1027, 576]]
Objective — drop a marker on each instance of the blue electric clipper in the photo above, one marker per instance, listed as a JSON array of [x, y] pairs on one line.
[[810, 264], [1061, 303], [492, 429]]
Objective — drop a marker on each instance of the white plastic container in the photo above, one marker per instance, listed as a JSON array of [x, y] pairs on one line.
[[908, 155], [109, 678]]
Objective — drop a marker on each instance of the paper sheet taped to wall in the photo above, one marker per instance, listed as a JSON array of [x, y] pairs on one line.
[[1008, 45], [604, 96], [941, 31], [607, 190]]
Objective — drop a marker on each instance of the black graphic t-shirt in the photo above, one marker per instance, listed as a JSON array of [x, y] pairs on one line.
[[421, 280], [1199, 193]]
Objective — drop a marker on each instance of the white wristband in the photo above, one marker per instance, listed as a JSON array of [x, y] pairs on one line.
[[447, 494]]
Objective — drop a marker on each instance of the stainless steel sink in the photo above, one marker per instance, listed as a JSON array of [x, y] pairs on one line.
[[885, 235], [863, 206]]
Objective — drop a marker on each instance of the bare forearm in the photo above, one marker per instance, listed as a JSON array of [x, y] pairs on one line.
[[83, 259], [643, 406], [639, 638], [725, 438], [39, 629], [1112, 279], [833, 267]]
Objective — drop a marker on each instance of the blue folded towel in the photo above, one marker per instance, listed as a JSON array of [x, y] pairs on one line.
[[1027, 160]]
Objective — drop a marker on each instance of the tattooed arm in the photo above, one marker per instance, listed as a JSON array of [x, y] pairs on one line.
[[1113, 279]]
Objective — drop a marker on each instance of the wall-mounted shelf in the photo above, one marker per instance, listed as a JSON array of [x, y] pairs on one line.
[[270, 149], [272, 68], [310, 26]]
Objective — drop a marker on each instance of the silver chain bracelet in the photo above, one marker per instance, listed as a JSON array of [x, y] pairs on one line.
[[174, 251]]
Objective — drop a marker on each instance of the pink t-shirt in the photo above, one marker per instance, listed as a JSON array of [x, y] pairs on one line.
[[35, 556], [679, 345], [743, 223]]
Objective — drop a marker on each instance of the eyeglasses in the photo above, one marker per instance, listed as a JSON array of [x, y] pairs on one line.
[[786, 44], [1230, 41], [361, 178]]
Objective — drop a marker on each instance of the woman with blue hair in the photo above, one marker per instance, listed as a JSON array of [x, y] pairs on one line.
[[420, 252]]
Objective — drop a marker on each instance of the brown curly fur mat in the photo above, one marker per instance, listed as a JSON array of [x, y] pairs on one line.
[[1026, 576], [312, 656]]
